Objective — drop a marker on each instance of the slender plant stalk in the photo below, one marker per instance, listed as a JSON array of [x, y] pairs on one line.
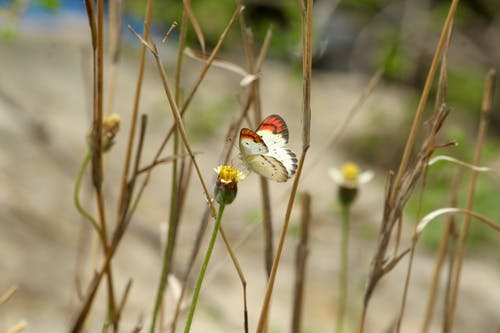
[[343, 275], [114, 50], [173, 215], [167, 255], [76, 195], [97, 31], [300, 263], [203, 270], [431, 301], [307, 16], [451, 268], [483, 126], [423, 98], [135, 110], [248, 43]]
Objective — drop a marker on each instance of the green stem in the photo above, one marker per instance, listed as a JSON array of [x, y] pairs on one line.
[[76, 194], [343, 268], [204, 268]]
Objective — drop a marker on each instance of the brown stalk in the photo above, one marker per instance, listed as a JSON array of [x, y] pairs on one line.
[[301, 254], [440, 99], [97, 163], [441, 253], [114, 50], [194, 23], [451, 268], [483, 127], [307, 17], [164, 160], [248, 43], [121, 306], [135, 111], [423, 99]]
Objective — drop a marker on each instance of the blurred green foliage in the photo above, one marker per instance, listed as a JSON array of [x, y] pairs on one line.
[[48, 4], [213, 16]]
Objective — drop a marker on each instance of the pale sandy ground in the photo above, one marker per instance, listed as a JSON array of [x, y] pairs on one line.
[[44, 113]]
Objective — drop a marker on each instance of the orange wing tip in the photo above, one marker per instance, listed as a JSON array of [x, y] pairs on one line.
[[246, 133], [276, 124]]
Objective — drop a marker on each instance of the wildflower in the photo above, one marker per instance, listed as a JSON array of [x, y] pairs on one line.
[[349, 178], [226, 186]]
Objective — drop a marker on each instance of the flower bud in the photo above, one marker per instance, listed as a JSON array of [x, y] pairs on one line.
[[226, 186]]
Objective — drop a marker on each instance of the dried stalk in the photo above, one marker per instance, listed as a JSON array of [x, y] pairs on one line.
[[307, 17], [135, 110], [443, 245], [483, 127], [248, 43], [301, 254]]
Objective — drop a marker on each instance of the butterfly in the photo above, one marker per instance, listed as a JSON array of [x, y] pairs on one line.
[[264, 151]]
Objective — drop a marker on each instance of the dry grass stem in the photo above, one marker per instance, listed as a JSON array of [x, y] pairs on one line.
[[135, 108], [423, 99], [301, 254], [440, 256], [307, 17], [267, 224], [194, 23], [440, 100], [481, 136], [7, 294]]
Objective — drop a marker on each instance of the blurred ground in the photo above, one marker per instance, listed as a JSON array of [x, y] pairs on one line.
[[44, 115]]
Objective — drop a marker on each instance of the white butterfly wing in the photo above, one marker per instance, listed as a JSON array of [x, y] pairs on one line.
[[286, 157], [268, 167]]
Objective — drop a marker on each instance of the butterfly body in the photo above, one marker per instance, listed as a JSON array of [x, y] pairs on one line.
[[265, 151]]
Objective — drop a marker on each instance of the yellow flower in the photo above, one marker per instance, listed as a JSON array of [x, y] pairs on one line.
[[349, 178], [349, 175], [226, 185]]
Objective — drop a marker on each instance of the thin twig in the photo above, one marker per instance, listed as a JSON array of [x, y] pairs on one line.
[[443, 245], [301, 254], [489, 90], [440, 100], [307, 17], [135, 110]]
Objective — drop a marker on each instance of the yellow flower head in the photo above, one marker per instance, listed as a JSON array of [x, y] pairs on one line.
[[226, 186], [348, 179], [228, 174], [350, 176], [350, 172]]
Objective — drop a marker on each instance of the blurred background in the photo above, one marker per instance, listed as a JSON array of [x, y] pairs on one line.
[[48, 252]]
